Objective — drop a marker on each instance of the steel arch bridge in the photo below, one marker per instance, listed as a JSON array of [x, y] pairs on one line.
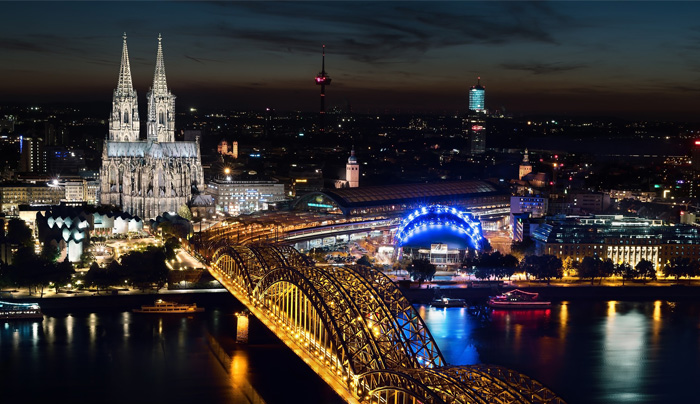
[[355, 329]]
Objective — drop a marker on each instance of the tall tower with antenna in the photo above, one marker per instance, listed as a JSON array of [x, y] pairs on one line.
[[323, 80]]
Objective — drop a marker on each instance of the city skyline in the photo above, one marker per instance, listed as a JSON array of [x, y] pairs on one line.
[[627, 59]]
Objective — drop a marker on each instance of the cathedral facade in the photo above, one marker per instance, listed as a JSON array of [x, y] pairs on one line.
[[146, 177]]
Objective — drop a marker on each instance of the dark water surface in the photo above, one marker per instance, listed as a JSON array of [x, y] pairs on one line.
[[588, 352]]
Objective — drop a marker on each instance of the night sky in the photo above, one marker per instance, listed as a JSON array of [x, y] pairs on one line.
[[628, 59]]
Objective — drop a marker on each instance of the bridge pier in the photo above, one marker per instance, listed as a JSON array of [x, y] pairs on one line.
[[242, 324]]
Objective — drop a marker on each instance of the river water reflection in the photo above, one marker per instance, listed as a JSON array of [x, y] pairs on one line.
[[588, 352]]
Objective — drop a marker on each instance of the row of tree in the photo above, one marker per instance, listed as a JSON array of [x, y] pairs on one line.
[[140, 269], [36, 272], [547, 267]]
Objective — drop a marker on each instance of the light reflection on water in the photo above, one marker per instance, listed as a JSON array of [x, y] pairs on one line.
[[588, 352], [117, 357]]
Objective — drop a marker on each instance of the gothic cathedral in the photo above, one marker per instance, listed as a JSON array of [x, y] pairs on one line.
[[147, 177]]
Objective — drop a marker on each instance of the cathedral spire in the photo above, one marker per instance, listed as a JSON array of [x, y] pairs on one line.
[[161, 104], [125, 85], [124, 121], [160, 85]]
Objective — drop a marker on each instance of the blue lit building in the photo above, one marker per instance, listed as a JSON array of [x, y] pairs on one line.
[[476, 97], [474, 123], [440, 234]]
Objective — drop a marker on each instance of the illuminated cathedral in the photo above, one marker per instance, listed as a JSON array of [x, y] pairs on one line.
[[146, 177]]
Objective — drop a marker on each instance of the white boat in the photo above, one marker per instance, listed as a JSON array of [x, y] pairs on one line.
[[448, 302], [518, 299], [20, 311], [162, 307]]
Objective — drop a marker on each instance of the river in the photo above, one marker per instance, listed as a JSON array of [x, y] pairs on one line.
[[587, 352]]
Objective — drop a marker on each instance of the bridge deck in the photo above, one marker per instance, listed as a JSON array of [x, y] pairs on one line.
[[317, 366]]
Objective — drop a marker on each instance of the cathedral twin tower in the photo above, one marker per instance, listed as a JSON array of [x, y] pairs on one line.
[[147, 177]]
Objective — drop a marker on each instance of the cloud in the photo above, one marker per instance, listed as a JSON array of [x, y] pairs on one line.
[[195, 59], [12, 44], [543, 68], [387, 32]]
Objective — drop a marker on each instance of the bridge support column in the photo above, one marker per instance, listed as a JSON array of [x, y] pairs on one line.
[[242, 328]]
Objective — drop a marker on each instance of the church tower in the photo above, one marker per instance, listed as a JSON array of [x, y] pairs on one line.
[[124, 122], [161, 104], [525, 166], [352, 170]]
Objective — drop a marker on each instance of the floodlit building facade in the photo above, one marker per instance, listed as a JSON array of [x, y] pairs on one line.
[[235, 197], [147, 177], [619, 238]]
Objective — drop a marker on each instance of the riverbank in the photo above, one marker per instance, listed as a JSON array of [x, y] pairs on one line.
[[472, 293], [129, 300], [558, 293]]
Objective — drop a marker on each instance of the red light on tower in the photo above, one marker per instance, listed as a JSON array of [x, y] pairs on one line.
[[697, 143]]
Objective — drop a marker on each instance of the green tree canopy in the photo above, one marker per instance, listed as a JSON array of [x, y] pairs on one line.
[[645, 269], [184, 212], [364, 260], [421, 270], [18, 232]]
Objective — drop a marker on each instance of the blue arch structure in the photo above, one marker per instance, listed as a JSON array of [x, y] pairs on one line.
[[437, 217]]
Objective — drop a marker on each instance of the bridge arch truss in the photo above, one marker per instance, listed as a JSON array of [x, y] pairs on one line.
[[355, 328]]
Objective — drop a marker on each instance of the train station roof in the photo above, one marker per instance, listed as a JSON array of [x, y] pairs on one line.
[[347, 199]]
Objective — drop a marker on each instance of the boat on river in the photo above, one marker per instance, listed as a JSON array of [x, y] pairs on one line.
[[162, 307], [448, 302], [518, 299], [20, 311]]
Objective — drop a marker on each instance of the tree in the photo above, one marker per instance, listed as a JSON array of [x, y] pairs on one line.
[[550, 267], [606, 269], [184, 212], [400, 265], [97, 277], [543, 267], [680, 266], [19, 233], [589, 268], [50, 251], [625, 271], [646, 269], [421, 270], [145, 268], [364, 261], [178, 229], [86, 258], [171, 244], [62, 273], [482, 273], [521, 249], [569, 266]]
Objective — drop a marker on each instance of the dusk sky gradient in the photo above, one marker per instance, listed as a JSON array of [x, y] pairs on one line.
[[629, 59]]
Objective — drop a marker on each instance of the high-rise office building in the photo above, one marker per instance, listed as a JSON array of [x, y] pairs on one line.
[[474, 123], [476, 97]]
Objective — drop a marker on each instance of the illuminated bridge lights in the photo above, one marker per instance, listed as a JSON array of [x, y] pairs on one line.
[[438, 216], [355, 329]]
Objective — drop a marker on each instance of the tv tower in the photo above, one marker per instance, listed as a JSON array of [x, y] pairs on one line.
[[323, 80]]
